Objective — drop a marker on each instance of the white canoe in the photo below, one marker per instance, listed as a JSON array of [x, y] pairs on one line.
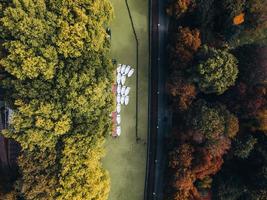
[[118, 119], [123, 79], [126, 100], [119, 68], [122, 100], [127, 69], [118, 108], [127, 91], [130, 73], [123, 90], [123, 67], [118, 78], [119, 99], [118, 131], [119, 89]]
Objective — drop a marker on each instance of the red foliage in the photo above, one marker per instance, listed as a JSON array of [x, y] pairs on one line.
[[207, 164]]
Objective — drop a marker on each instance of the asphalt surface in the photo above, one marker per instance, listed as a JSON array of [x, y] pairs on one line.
[[158, 111]]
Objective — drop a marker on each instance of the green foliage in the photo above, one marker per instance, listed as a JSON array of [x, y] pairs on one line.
[[254, 28], [204, 18], [55, 54], [233, 8], [229, 188], [211, 120], [205, 183], [217, 70], [39, 123], [244, 178], [39, 34], [243, 146], [39, 174], [82, 176]]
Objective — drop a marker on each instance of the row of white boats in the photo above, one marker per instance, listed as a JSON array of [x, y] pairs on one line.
[[122, 92]]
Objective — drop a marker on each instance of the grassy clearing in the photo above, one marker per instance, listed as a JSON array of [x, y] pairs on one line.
[[126, 160]]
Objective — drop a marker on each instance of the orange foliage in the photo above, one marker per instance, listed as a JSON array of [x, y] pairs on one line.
[[181, 157], [182, 92], [261, 118], [239, 19], [232, 126], [208, 164], [187, 169], [183, 47], [178, 7]]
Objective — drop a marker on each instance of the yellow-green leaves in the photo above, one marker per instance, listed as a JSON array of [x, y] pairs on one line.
[[82, 176], [23, 62], [217, 70], [59, 80]]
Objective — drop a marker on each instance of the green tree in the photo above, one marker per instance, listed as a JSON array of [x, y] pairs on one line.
[[39, 174], [40, 35], [244, 145], [82, 176], [217, 70], [59, 75], [212, 120]]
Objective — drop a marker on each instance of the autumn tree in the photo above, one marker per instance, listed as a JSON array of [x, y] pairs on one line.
[[182, 179], [178, 8], [216, 71], [184, 44], [181, 91], [210, 128]]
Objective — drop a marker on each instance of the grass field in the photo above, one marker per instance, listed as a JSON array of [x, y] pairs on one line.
[[125, 160]]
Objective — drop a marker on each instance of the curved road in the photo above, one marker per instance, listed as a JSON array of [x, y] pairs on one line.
[[158, 114]]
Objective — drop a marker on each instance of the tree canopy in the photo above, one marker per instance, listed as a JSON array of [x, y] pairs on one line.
[[217, 70], [58, 76]]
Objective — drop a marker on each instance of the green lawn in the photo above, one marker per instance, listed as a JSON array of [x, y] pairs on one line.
[[125, 160]]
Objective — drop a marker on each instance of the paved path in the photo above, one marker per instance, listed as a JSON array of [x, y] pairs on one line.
[[159, 124]]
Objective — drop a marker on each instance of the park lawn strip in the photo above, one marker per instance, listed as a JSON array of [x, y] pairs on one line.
[[125, 159]]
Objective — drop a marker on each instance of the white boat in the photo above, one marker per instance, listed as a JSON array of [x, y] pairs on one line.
[[118, 119], [127, 91], [123, 79], [123, 67], [127, 69], [118, 78], [126, 100], [119, 68], [118, 130], [118, 108], [123, 90], [122, 100], [119, 99], [130, 73], [119, 89]]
